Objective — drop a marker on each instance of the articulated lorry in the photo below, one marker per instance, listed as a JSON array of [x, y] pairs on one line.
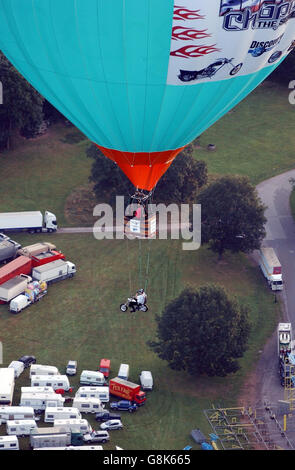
[[20, 265], [12, 288], [271, 268], [8, 248], [30, 221]]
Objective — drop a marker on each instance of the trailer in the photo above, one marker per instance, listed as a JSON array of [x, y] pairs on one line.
[[8, 248], [6, 386], [56, 436], [37, 390], [271, 268], [75, 426], [35, 249], [45, 258], [40, 369], [34, 292], [30, 221], [41, 401], [54, 271], [127, 390], [61, 412], [8, 413], [20, 265], [88, 405], [12, 288], [92, 377], [9, 443], [94, 392], [59, 383], [22, 427]]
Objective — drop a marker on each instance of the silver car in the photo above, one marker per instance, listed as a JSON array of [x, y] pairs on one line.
[[71, 368]]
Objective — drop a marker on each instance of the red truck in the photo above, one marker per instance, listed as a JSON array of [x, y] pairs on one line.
[[105, 367], [48, 257], [127, 390], [20, 265]]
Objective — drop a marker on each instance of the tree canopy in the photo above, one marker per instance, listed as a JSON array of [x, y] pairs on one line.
[[232, 215], [203, 331], [22, 106]]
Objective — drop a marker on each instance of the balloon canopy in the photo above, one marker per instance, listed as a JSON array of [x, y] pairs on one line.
[[143, 78]]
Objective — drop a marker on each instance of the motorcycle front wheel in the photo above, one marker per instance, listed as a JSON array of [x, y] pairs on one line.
[[236, 69], [123, 307]]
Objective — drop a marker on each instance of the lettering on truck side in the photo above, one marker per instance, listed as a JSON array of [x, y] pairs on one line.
[[121, 389]]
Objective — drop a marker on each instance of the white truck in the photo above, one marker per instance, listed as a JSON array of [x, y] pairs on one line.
[[55, 436], [15, 286], [31, 221], [284, 333], [54, 271], [6, 385], [271, 268]]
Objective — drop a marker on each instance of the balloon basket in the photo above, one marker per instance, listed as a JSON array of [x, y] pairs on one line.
[[145, 227]]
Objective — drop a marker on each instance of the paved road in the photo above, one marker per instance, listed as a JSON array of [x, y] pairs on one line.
[[280, 234]]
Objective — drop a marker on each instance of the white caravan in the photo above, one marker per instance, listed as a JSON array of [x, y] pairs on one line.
[[40, 401], [57, 382], [88, 405], [102, 393], [22, 427], [61, 412], [75, 426], [8, 413], [9, 443], [91, 377], [6, 386], [40, 369]]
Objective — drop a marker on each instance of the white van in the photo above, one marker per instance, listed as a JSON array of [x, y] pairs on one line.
[[39, 369], [146, 380], [40, 401], [102, 393], [22, 427], [80, 426], [8, 413], [9, 443], [61, 412], [123, 371], [18, 368], [88, 405], [91, 377], [57, 382]]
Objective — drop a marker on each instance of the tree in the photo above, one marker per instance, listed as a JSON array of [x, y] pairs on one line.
[[22, 104], [203, 332], [180, 184], [232, 215]]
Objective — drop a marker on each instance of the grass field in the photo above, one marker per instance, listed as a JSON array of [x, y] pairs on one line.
[[80, 319]]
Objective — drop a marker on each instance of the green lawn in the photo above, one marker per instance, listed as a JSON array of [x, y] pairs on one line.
[[80, 319], [255, 139]]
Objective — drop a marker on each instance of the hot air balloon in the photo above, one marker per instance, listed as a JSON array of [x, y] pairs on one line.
[[142, 78]]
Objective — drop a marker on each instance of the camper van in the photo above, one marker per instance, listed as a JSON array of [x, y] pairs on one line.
[[123, 371], [8, 413], [76, 426], [59, 383], [94, 392], [61, 412], [6, 385], [22, 427], [9, 443], [41, 401], [88, 405], [91, 377], [18, 368], [146, 380], [39, 369]]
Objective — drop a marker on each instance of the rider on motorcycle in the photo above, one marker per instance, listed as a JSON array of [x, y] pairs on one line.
[[139, 299]]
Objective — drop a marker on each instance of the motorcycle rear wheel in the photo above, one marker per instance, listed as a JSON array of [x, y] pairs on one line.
[[123, 307]]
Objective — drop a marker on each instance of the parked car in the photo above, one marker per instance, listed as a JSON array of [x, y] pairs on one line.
[[124, 405], [112, 424], [106, 416], [71, 368], [97, 436], [27, 360]]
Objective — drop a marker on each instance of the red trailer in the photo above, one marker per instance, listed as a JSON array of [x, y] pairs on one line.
[[48, 257], [127, 390], [20, 265]]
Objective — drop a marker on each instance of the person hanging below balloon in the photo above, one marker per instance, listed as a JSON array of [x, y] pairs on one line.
[[136, 303]]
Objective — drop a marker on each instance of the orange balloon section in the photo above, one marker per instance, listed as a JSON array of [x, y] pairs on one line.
[[142, 168]]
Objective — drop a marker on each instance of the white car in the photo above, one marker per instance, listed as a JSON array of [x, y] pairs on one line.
[[71, 368], [112, 424]]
